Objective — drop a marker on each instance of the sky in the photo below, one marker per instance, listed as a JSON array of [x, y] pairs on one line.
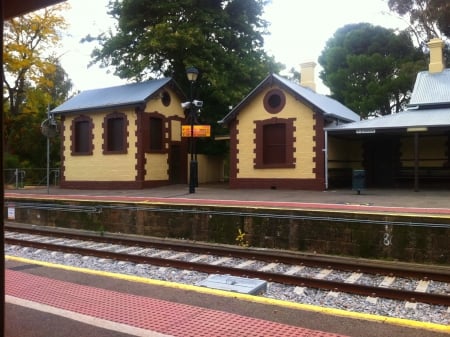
[[299, 30]]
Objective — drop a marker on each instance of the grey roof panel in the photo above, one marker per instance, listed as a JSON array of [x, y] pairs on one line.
[[431, 88], [134, 93], [327, 105], [404, 119]]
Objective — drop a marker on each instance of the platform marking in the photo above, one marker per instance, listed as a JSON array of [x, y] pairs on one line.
[[323, 273], [250, 298], [270, 266], [98, 322], [245, 264], [387, 281], [294, 270]]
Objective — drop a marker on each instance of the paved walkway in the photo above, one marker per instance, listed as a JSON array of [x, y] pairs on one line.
[[137, 315], [389, 200]]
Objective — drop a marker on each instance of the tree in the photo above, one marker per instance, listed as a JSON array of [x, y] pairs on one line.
[[222, 38], [34, 81], [428, 18], [370, 69]]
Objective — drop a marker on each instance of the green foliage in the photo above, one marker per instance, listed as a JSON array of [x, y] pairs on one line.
[[428, 18], [370, 69], [222, 38], [34, 82]]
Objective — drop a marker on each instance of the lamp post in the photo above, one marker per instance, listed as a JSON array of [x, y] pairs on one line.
[[192, 74]]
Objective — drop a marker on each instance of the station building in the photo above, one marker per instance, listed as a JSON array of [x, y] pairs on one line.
[[409, 149], [123, 137], [284, 135], [277, 134]]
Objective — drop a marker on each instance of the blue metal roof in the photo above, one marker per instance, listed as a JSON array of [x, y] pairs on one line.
[[405, 119], [328, 106], [431, 88], [104, 98], [429, 107]]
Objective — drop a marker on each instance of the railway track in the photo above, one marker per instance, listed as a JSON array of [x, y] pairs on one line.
[[422, 284]]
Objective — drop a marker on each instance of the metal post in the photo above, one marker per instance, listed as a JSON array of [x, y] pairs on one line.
[[193, 163], [48, 155], [416, 162]]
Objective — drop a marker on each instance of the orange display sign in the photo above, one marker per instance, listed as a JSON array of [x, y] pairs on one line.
[[199, 130]]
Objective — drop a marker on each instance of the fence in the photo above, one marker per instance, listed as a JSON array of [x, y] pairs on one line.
[[22, 177]]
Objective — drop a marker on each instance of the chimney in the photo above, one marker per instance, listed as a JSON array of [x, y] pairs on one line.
[[307, 75], [436, 56]]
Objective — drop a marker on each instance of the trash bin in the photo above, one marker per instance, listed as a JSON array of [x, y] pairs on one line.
[[358, 180]]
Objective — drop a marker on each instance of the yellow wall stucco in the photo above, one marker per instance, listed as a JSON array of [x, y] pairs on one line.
[[303, 146], [100, 167]]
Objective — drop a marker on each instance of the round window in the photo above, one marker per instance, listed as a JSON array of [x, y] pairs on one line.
[[165, 98], [274, 101]]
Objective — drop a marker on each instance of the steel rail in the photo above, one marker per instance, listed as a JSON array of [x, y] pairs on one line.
[[412, 296], [416, 271]]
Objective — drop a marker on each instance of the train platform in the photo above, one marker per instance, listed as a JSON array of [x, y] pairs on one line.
[[49, 300], [397, 201]]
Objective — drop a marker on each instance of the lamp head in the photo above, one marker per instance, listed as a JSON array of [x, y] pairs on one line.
[[192, 74]]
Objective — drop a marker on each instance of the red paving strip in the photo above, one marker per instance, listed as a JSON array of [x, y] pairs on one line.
[[243, 203], [145, 313]]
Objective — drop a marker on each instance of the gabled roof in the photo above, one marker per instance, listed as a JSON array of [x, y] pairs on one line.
[[405, 119], [429, 107], [118, 96], [326, 105], [431, 89]]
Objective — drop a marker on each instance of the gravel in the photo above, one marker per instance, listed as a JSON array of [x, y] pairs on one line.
[[383, 307]]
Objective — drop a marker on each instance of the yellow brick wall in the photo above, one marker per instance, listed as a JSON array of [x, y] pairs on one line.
[[100, 167], [157, 166], [304, 144], [121, 167]]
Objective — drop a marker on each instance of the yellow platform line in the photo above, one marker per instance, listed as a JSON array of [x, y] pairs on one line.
[[244, 297]]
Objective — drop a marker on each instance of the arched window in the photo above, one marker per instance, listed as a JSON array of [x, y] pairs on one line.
[[115, 133], [82, 136], [275, 143]]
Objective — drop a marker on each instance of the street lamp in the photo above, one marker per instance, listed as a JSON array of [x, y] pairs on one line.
[[192, 74]]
